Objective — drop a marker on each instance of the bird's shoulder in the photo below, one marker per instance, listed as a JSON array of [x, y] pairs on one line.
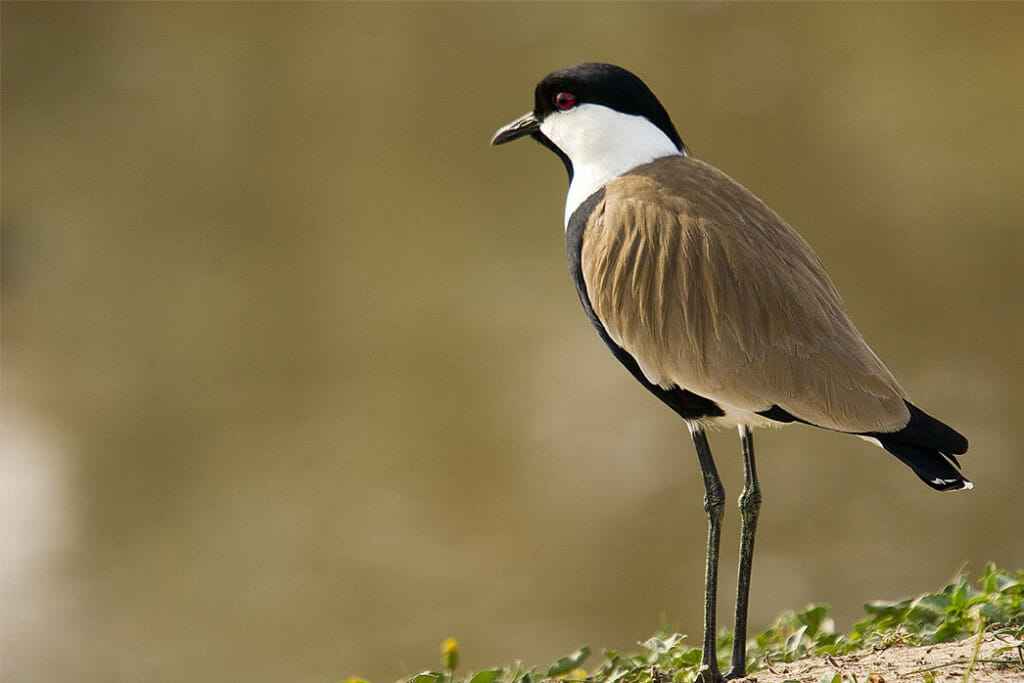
[[677, 175], [684, 192], [690, 225]]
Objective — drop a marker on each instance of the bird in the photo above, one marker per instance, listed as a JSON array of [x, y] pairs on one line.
[[714, 304]]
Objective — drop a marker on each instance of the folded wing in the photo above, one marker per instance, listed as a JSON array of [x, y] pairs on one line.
[[729, 303]]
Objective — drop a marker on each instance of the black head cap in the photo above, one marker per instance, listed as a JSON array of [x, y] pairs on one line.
[[607, 85]]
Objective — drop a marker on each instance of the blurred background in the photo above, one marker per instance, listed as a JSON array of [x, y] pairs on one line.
[[296, 384]]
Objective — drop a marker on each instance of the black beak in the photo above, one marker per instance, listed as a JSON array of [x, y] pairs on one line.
[[527, 124]]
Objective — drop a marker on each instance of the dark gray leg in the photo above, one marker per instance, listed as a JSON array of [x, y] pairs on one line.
[[714, 504], [750, 505]]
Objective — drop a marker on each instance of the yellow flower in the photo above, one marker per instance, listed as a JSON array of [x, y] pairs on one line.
[[450, 654]]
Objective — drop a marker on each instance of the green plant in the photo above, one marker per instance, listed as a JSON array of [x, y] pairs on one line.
[[956, 611]]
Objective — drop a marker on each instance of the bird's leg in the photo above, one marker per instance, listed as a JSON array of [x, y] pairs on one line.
[[750, 506], [714, 505]]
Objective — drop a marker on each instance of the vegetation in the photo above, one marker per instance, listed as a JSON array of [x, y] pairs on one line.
[[957, 611]]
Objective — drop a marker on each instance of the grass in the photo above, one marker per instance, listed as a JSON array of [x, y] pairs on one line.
[[961, 609]]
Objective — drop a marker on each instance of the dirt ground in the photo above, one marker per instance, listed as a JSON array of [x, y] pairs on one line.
[[932, 663]]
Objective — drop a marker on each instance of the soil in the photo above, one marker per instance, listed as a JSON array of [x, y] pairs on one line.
[[946, 662]]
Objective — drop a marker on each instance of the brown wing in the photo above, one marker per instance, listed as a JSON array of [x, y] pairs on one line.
[[709, 290]]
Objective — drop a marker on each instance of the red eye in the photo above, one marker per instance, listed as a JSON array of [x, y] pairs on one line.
[[565, 100]]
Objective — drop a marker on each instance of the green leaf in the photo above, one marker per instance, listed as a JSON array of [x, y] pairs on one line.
[[928, 609], [883, 608], [1004, 581], [663, 645], [948, 632], [569, 662], [688, 657], [813, 617], [486, 676], [656, 645], [795, 640], [993, 613], [427, 677]]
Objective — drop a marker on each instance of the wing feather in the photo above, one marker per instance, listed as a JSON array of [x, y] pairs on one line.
[[710, 291]]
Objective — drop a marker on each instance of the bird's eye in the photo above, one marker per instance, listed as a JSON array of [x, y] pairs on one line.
[[565, 100]]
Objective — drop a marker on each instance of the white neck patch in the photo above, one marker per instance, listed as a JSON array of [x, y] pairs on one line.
[[602, 144]]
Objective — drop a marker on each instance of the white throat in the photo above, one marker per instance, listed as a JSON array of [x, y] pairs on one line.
[[602, 144]]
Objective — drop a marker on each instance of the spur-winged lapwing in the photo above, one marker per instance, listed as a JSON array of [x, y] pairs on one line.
[[712, 302]]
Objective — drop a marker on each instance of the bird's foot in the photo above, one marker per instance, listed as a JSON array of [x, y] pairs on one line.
[[736, 673], [709, 674]]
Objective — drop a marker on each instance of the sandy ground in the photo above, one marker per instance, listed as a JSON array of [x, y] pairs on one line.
[[938, 663]]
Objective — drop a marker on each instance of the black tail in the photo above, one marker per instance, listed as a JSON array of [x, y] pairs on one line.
[[934, 467], [928, 447]]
